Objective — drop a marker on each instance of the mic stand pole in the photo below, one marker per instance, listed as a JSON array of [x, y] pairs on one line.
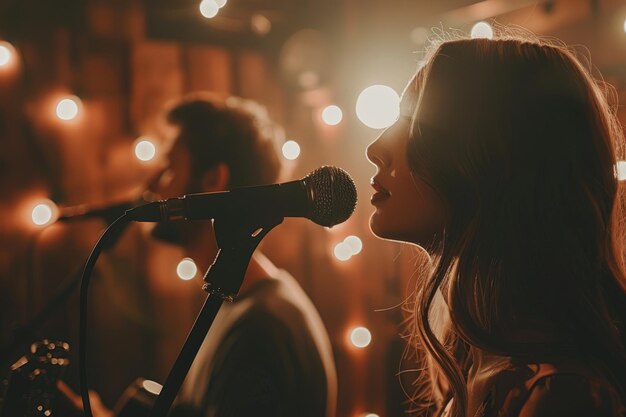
[[237, 240]]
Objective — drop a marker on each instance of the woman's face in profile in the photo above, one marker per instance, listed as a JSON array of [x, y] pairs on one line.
[[406, 208]]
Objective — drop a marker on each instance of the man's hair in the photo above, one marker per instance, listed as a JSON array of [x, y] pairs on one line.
[[234, 131]]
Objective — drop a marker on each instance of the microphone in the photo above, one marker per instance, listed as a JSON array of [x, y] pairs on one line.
[[107, 213], [327, 196]]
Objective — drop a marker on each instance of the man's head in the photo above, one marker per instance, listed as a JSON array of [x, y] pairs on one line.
[[219, 145]]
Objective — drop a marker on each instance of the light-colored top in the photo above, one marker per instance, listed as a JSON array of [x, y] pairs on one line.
[[267, 353]]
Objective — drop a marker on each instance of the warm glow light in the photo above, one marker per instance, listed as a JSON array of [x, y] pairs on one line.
[[624, 25], [220, 3], [186, 269], [209, 8], [291, 150], [260, 24], [482, 30], [354, 243], [370, 415], [360, 337], [332, 115], [144, 149], [378, 106], [152, 387], [43, 213], [67, 108], [6, 53], [342, 251], [621, 170]]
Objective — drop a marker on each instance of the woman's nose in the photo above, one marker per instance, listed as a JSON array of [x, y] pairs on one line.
[[374, 152]]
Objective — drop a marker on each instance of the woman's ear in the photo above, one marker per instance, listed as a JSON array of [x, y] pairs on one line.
[[216, 178]]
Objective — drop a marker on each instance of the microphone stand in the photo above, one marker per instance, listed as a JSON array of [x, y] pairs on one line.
[[237, 240]]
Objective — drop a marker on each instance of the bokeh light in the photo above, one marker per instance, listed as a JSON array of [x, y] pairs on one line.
[[209, 8], [7, 51], [145, 150], [152, 387], [67, 108], [625, 25], [621, 170], [354, 243], [378, 106], [186, 269], [44, 212], [342, 251], [260, 24], [482, 30], [221, 3], [332, 115], [360, 337], [369, 415], [291, 150]]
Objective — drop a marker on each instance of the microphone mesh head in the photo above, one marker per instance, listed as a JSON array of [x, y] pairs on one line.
[[332, 195]]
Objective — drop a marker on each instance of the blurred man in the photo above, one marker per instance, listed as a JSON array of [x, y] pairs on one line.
[[267, 353]]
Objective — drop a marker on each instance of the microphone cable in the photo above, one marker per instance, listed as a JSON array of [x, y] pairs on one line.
[[114, 229]]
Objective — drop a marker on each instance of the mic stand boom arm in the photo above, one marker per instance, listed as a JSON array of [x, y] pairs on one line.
[[237, 241]]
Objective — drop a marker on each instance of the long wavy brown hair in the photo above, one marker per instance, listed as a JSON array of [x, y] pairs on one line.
[[520, 141]]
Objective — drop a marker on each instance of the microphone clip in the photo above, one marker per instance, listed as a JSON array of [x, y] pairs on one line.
[[237, 241]]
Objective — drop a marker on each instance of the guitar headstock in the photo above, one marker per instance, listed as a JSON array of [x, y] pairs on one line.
[[31, 386]]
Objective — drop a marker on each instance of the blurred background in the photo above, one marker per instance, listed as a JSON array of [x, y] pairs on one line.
[[82, 87]]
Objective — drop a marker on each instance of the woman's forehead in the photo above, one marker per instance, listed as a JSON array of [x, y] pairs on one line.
[[408, 99]]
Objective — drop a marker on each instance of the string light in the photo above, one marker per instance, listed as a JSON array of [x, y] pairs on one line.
[[332, 115], [7, 52], [44, 213], [152, 387], [260, 24], [67, 108], [291, 150], [360, 337], [620, 169], [209, 8], [186, 269], [342, 251], [145, 150], [354, 243], [350, 246], [378, 106], [482, 30]]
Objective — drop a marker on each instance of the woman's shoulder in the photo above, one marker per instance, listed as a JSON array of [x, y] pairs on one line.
[[568, 390]]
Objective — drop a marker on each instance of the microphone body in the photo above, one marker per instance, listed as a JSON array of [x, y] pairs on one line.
[[326, 196], [107, 213]]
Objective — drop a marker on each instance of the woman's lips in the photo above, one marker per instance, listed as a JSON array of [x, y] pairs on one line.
[[381, 193]]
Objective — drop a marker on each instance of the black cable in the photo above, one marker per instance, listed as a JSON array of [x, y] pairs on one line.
[[112, 230]]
